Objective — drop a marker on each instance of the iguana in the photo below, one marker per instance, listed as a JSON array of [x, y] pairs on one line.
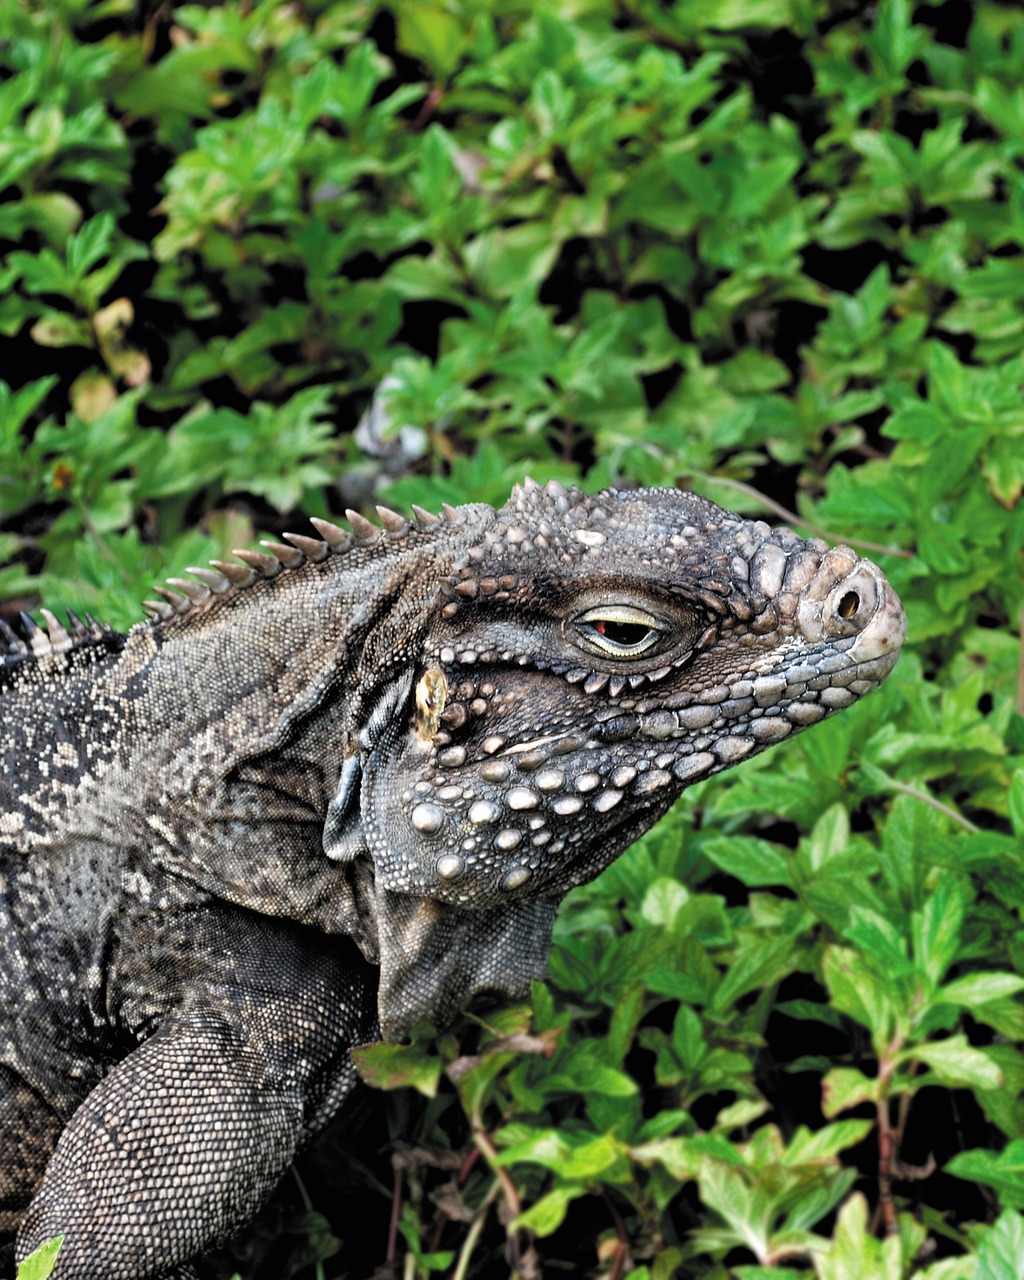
[[337, 788]]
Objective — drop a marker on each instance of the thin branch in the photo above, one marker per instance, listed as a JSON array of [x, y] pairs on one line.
[[90, 527], [427, 108], [903, 1107], [396, 1211], [509, 1191], [508, 1187], [473, 1234], [445, 1218], [885, 1157], [919, 794], [468, 1164], [622, 1242], [791, 517]]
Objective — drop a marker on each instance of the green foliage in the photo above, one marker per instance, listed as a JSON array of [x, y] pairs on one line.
[[39, 1264], [768, 249]]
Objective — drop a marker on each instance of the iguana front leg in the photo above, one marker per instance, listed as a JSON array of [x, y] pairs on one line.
[[186, 1137]]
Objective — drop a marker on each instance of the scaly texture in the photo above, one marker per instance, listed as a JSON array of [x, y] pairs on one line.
[[339, 789]]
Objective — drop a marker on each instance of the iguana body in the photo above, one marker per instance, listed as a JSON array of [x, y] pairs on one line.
[[325, 798]]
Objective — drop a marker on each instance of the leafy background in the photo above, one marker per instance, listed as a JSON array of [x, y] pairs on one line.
[[264, 258]]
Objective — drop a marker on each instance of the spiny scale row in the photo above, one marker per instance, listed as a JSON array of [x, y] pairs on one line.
[[54, 637], [223, 575], [181, 594]]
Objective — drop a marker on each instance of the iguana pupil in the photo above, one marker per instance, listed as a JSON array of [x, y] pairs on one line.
[[627, 634]]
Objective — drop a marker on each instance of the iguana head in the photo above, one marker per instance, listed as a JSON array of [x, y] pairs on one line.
[[588, 658]]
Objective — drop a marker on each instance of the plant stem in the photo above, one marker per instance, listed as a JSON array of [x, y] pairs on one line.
[[622, 1243], [920, 794], [473, 1234], [791, 517], [396, 1209], [509, 1191]]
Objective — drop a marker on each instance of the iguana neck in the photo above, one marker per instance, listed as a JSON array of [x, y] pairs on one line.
[[275, 683]]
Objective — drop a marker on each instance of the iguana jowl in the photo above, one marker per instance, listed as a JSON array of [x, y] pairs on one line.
[[340, 788]]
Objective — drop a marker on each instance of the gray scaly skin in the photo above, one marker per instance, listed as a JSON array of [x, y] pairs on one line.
[[339, 789]]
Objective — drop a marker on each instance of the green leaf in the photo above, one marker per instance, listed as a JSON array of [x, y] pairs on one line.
[[589, 1160], [740, 1114], [822, 1145], [936, 928], [755, 862], [664, 900], [1016, 801], [846, 1087], [437, 182], [59, 329], [506, 259], [857, 991], [545, 1147], [979, 988], [893, 40], [956, 1063], [685, 1157], [89, 244], [759, 962], [773, 1272], [724, 1189], [1003, 1171], [587, 1073], [879, 942], [829, 839], [854, 1253], [396, 1066], [548, 1213], [962, 1268], [1000, 1253], [17, 407], [39, 1264], [430, 32]]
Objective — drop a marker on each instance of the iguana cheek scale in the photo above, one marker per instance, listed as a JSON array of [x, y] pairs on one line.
[[338, 789]]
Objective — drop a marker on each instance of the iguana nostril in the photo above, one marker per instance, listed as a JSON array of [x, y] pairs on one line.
[[849, 605]]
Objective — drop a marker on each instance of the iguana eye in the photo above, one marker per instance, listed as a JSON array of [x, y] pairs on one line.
[[618, 631]]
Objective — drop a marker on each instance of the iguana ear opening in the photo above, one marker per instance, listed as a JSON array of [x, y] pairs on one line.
[[343, 837], [435, 958]]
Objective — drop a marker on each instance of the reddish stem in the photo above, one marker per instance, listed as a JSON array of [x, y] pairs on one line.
[[622, 1243], [396, 1210]]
